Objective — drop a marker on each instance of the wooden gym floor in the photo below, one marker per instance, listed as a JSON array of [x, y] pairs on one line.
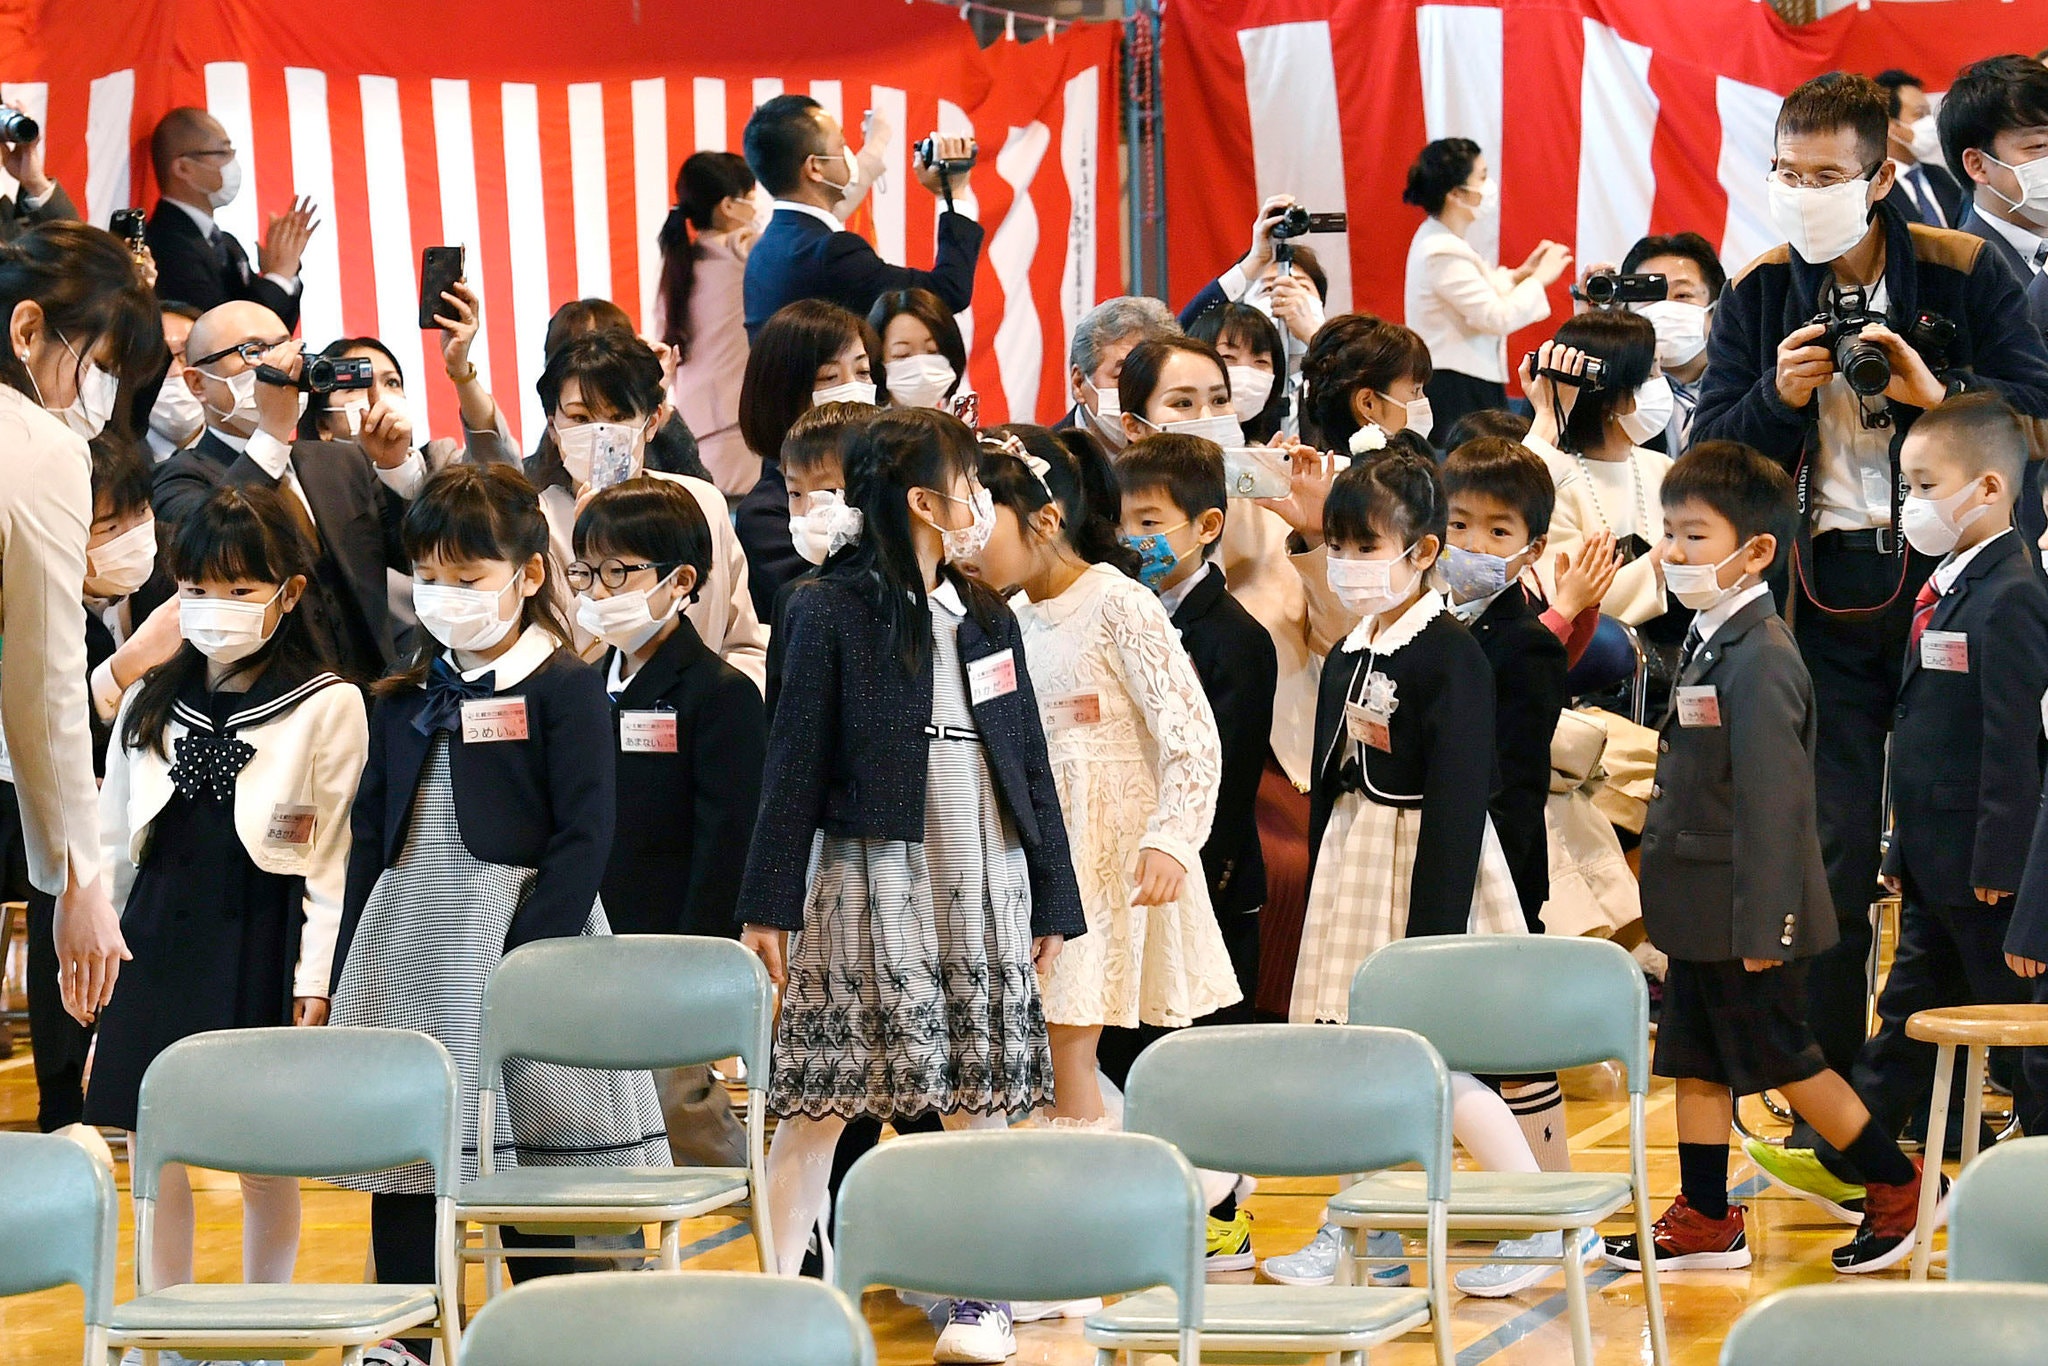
[[1790, 1238]]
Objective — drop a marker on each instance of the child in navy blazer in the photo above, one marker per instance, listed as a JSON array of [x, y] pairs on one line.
[[821, 522], [483, 822]]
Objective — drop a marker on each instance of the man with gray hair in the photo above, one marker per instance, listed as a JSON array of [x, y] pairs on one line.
[[1103, 337]]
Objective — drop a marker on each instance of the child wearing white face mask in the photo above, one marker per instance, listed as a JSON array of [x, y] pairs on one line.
[[484, 822], [822, 523], [224, 826]]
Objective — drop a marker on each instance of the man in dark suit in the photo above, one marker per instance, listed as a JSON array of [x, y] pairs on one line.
[[1925, 192], [351, 505], [196, 262], [39, 199], [1994, 129], [799, 153]]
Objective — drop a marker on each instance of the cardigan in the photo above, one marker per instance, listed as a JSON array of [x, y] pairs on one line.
[[847, 752], [1529, 668], [546, 802], [1441, 761], [685, 815]]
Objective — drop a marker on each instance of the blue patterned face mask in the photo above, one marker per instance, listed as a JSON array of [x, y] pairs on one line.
[[1156, 557], [1472, 574]]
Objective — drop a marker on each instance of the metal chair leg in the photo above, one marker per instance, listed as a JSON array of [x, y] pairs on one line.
[[1575, 1301], [671, 1246]]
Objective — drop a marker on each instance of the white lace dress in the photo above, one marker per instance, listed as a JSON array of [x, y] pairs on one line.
[[1137, 760]]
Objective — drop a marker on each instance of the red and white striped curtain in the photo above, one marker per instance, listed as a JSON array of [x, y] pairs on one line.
[[545, 138]]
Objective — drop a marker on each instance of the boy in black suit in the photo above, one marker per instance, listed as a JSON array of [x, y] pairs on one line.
[[1734, 889], [1966, 754]]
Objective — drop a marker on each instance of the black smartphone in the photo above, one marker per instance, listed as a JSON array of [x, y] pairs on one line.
[[440, 268], [128, 225]]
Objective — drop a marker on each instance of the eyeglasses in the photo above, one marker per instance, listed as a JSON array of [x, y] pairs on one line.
[[252, 352], [612, 573], [1826, 180], [209, 152]]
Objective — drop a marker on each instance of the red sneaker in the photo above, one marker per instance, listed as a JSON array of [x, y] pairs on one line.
[[1888, 1231], [1688, 1241]]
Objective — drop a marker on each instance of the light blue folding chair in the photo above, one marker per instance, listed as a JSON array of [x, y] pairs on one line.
[[627, 1002], [1306, 1100], [1519, 1004], [57, 1227], [691, 1318], [1998, 1215], [1029, 1215], [1911, 1324], [294, 1102]]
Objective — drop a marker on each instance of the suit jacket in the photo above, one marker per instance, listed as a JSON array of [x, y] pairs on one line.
[[1528, 693], [1731, 864], [188, 478], [547, 802], [15, 220], [1948, 196], [1967, 746], [1234, 658], [189, 272], [847, 753], [761, 521], [2033, 284], [685, 818], [798, 257]]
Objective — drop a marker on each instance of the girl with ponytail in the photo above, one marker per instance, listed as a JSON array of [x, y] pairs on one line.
[[704, 244]]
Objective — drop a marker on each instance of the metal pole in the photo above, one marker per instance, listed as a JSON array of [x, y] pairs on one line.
[[1145, 149]]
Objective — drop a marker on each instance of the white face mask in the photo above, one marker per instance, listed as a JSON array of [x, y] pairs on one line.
[[1489, 197], [1250, 387], [968, 541], [1221, 428], [1106, 412], [920, 381], [242, 418], [225, 630], [1421, 418], [1820, 223], [1931, 524], [623, 620], [177, 416], [352, 412], [1926, 139], [600, 454], [1698, 586], [120, 566], [464, 618], [1367, 586], [853, 391], [1652, 413], [1681, 330], [852, 164], [230, 184], [826, 527], [2032, 204], [90, 408]]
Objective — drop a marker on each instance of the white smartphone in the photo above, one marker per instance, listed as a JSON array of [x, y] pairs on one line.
[[1255, 472]]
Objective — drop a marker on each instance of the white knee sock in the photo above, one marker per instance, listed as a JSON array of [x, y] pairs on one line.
[[1482, 1122], [270, 1228], [799, 1175], [1538, 1107], [170, 1241]]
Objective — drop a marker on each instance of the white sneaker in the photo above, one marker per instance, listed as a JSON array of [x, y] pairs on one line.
[[976, 1331], [1497, 1280], [1316, 1263], [1037, 1311]]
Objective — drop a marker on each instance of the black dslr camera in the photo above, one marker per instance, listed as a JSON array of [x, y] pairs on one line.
[[1610, 289], [16, 126], [1299, 222], [321, 374], [1864, 364]]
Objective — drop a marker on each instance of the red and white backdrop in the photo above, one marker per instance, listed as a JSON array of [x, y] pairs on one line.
[[1603, 119], [544, 135]]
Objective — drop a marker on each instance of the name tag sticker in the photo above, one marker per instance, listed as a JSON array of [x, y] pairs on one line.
[[993, 677], [1699, 706], [1948, 651], [290, 824], [647, 732], [1369, 727], [1075, 709], [489, 720]]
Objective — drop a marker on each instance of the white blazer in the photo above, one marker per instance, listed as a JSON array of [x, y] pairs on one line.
[[1464, 308], [311, 744], [1636, 595]]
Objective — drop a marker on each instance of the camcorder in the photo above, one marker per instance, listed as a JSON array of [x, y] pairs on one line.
[[927, 150], [1611, 289], [1299, 222], [1593, 377], [321, 374]]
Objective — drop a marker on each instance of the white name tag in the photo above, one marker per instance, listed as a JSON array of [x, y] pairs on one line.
[[290, 824], [1075, 709], [1699, 706], [647, 732], [489, 720], [1369, 727], [1948, 651], [993, 677]]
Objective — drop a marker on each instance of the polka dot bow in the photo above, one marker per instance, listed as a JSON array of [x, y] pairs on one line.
[[207, 765]]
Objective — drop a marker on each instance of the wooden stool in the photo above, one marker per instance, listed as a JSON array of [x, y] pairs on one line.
[[1979, 1029], [13, 1010]]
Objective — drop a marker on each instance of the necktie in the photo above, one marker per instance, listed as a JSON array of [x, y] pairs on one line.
[[222, 256], [447, 690], [289, 489], [1923, 612], [2040, 257], [1693, 641], [1929, 210]]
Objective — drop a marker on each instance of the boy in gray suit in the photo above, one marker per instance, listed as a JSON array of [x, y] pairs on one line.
[[1733, 886]]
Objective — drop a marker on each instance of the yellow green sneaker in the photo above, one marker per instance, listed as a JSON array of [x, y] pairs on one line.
[[1800, 1172], [1230, 1243]]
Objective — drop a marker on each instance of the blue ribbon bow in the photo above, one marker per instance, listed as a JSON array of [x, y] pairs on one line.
[[447, 690]]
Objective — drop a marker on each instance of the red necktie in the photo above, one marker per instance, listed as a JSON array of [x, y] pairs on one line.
[[1923, 612]]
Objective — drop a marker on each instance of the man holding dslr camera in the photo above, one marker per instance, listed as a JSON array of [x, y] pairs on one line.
[[1952, 319], [39, 198]]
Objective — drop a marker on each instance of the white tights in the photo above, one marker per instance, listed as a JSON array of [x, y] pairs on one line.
[[800, 1174], [1482, 1121], [270, 1228]]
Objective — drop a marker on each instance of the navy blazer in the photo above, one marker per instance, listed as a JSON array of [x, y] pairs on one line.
[[761, 522], [1948, 196], [188, 477], [188, 271], [1233, 656], [798, 257], [1966, 746], [847, 752], [1529, 667], [546, 802]]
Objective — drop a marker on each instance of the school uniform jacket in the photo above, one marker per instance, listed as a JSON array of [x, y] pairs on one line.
[[311, 740], [547, 802], [1441, 764], [1731, 864], [686, 816], [847, 752], [1235, 659], [1966, 745], [1528, 693]]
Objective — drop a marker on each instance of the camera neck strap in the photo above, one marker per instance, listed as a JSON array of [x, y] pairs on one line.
[[1802, 548]]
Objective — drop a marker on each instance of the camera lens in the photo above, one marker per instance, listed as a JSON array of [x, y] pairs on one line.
[[1600, 289], [1292, 223], [16, 126], [1864, 364]]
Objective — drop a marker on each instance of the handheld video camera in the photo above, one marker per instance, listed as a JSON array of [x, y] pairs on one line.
[[16, 126], [1610, 289], [1593, 377], [321, 374], [1299, 222], [927, 150]]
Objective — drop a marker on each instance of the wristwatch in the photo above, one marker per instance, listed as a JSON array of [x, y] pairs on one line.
[[468, 373]]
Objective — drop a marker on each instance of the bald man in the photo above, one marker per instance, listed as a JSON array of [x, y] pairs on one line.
[[197, 263], [352, 504]]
